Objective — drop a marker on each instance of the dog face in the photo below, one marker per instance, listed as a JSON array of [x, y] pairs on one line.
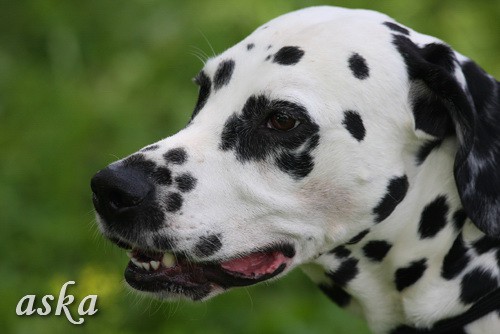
[[303, 135]]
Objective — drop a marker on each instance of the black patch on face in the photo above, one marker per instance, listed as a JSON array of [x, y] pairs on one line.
[[376, 250], [138, 161], [433, 218], [163, 176], [396, 192], [205, 87], [358, 66], [288, 55], [475, 284], [176, 156], [340, 252], [298, 165], [459, 218], [150, 148], [250, 46], [456, 260], [251, 139], [354, 124], [185, 182], [336, 294], [486, 244], [345, 273], [358, 237], [407, 276], [397, 28], [208, 245], [223, 74], [173, 202], [426, 149]]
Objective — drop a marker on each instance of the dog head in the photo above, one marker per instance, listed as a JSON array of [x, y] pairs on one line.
[[303, 135]]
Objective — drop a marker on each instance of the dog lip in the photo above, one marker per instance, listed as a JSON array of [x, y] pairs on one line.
[[187, 276]]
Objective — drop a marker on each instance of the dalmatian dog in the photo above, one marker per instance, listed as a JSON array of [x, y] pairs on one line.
[[338, 141]]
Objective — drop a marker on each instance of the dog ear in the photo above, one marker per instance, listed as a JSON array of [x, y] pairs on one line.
[[455, 96]]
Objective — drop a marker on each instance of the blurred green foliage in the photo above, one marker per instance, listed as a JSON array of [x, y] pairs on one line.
[[85, 82]]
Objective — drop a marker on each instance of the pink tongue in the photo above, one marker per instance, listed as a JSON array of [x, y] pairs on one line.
[[255, 264]]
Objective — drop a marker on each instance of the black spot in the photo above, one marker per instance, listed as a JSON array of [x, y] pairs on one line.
[[163, 176], [269, 46], [426, 149], [150, 148], [250, 46], [354, 124], [336, 294], [407, 276], [358, 237], [205, 87], [486, 244], [433, 218], [358, 66], [459, 218], [268, 57], [376, 250], [138, 161], [345, 273], [397, 28], [297, 165], [223, 74], [208, 245], [173, 202], [456, 260], [176, 156], [475, 284], [163, 243], [340, 252], [185, 182], [288, 55], [395, 193], [250, 138]]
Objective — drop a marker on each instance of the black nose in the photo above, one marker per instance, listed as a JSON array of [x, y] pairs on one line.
[[119, 191]]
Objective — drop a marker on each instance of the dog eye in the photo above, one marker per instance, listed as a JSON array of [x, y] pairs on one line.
[[282, 122]]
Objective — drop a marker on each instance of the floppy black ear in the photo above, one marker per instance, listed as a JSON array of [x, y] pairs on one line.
[[451, 97]]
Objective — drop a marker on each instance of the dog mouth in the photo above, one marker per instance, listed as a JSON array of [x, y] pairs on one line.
[[170, 273]]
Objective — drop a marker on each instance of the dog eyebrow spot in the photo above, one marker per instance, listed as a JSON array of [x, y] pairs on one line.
[[354, 124], [397, 28], [407, 276], [208, 245], [250, 46], [223, 74], [288, 55], [396, 192], [358, 66], [433, 218], [176, 156]]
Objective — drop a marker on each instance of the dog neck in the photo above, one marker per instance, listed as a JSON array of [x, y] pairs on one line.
[[424, 263]]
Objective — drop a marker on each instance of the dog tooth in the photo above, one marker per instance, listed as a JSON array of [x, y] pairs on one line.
[[146, 265], [155, 264], [168, 260], [136, 262]]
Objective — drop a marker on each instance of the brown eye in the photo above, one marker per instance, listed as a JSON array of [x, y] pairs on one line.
[[282, 122]]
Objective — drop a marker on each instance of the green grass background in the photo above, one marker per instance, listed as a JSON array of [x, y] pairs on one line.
[[85, 82]]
